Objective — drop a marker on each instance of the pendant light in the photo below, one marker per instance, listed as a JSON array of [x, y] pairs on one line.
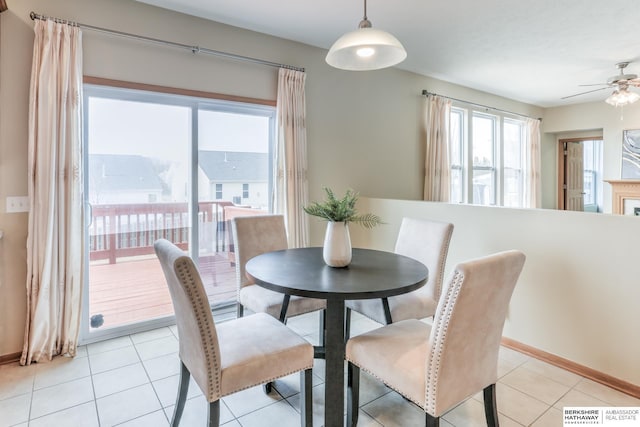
[[366, 49]]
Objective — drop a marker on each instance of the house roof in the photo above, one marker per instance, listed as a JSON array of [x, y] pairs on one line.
[[232, 166], [122, 172]]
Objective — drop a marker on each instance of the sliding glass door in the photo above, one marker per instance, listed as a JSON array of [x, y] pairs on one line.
[[164, 166]]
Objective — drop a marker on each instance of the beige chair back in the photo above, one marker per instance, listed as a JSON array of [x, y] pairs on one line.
[[255, 235], [428, 242], [467, 329], [199, 349]]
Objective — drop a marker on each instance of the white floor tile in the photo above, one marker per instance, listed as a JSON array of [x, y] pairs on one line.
[[551, 418], [577, 398], [119, 379], [252, 399], [279, 414], [16, 380], [60, 370], [167, 390], [105, 361], [538, 386], [108, 345], [127, 405], [62, 396], [15, 410], [158, 347], [606, 394], [195, 413], [84, 415], [518, 406], [151, 335], [60, 392], [553, 372], [154, 419], [392, 410], [163, 366]]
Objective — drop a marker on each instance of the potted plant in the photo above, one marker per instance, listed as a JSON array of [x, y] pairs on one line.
[[339, 213]]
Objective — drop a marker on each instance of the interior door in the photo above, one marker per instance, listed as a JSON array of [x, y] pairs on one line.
[[574, 178]]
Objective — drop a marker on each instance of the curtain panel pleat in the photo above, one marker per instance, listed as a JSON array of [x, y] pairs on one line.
[[533, 193], [437, 165], [54, 240], [291, 186]]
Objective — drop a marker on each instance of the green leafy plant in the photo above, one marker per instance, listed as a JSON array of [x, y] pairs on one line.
[[342, 210]]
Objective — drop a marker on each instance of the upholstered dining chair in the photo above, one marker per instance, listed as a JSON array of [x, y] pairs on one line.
[[428, 242], [234, 355], [436, 367], [255, 235]]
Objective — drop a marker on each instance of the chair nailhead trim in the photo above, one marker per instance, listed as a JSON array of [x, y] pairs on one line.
[[184, 270]]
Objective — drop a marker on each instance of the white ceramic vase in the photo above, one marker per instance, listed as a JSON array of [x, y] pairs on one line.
[[337, 245]]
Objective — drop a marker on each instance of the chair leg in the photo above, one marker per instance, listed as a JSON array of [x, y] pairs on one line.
[[347, 324], [432, 421], [387, 311], [306, 398], [490, 406], [323, 327], [267, 387], [240, 310], [284, 308], [214, 414], [183, 388], [353, 394]]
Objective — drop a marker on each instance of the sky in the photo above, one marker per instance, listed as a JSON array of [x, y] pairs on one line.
[[164, 131]]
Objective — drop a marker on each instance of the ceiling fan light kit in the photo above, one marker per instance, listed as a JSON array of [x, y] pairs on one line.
[[622, 97], [366, 49]]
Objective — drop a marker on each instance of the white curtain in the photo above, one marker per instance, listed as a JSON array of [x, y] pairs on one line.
[[533, 180], [437, 166], [291, 187], [54, 240]]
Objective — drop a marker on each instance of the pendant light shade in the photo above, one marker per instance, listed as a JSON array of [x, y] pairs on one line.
[[366, 49]]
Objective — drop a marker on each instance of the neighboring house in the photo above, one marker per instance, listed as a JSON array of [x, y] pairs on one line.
[[121, 178], [239, 177]]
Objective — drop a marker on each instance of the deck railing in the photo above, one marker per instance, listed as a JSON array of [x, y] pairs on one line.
[[126, 230]]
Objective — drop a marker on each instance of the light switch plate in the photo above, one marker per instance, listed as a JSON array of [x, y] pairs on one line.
[[17, 204]]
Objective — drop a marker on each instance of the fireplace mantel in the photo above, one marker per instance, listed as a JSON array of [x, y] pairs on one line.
[[626, 195]]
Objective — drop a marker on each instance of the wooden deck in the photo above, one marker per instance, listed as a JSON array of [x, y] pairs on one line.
[[135, 289]]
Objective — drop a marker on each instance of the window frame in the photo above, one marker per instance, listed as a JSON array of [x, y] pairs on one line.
[[468, 112]]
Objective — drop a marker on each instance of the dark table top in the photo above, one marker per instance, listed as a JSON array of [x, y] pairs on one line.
[[371, 274]]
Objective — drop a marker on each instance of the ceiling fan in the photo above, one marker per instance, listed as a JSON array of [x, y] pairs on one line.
[[621, 83]]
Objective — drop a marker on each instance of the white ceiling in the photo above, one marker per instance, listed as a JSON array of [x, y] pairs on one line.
[[532, 51]]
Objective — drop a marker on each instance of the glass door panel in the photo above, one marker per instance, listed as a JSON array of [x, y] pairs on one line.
[[234, 171], [137, 190]]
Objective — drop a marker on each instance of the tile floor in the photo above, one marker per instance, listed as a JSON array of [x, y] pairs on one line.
[[132, 381]]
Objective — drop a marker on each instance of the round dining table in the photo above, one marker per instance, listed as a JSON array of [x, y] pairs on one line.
[[372, 274]]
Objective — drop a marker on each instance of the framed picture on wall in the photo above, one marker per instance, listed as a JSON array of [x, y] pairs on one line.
[[631, 154]]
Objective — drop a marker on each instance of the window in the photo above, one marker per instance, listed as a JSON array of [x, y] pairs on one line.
[[487, 158], [245, 191], [592, 164], [218, 191]]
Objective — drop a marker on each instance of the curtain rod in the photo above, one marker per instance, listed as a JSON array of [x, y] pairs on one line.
[[426, 93], [194, 49]]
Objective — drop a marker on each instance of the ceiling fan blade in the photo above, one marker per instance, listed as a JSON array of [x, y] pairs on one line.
[[634, 82], [597, 84], [584, 93]]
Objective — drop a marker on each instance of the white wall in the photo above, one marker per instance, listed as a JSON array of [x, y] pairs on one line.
[[578, 294]]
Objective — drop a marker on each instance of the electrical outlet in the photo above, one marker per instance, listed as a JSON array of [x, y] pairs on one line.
[[17, 204]]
